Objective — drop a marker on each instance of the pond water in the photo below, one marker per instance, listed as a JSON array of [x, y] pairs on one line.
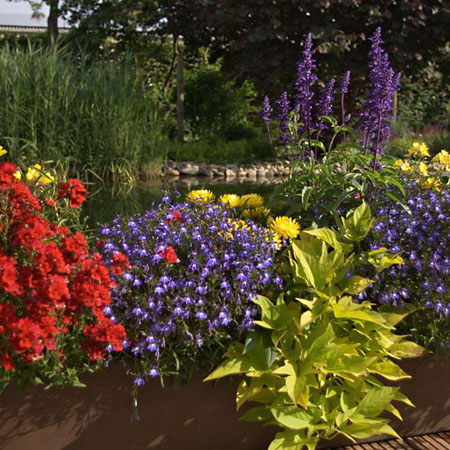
[[105, 202]]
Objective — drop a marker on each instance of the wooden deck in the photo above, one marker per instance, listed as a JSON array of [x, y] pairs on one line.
[[436, 441]]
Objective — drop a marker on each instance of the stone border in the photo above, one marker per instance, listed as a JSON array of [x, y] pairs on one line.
[[252, 172]]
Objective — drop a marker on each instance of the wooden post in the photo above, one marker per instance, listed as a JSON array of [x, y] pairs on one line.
[[180, 94]]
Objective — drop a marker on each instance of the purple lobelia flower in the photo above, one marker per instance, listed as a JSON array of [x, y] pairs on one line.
[[305, 79], [198, 290], [377, 107]]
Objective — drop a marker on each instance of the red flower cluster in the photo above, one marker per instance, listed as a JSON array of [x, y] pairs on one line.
[[174, 216], [52, 288], [169, 255], [76, 190]]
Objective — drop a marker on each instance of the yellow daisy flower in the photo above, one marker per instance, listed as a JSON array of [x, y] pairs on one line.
[[2, 151], [252, 201], [232, 200], [285, 227], [255, 213], [201, 196], [18, 174]]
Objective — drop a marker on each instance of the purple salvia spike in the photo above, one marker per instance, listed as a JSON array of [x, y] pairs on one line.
[[345, 82], [283, 117], [324, 105], [305, 79], [377, 106], [266, 110]]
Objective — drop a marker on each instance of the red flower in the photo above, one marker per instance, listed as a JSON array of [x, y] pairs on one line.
[[77, 192], [174, 216], [170, 255], [7, 362], [120, 262]]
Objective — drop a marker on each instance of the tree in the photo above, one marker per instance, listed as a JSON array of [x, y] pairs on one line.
[[52, 20]]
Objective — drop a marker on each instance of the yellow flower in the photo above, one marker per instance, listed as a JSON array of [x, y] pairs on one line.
[[285, 227], [252, 201], [230, 200], [432, 183], [2, 151], [442, 157], [17, 174], [423, 168], [418, 149], [201, 196], [35, 173], [403, 165], [255, 213], [276, 238]]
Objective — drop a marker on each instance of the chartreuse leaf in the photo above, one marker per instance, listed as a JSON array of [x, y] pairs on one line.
[[291, 417], [347, 309], [406, 349], [254, 390], [388, 370], [258, 414], [297, 390], [290, 440], [355, 285], [276, 317], [383, 260], [230, 367], [358, 225], [362, 429], [376, 401]]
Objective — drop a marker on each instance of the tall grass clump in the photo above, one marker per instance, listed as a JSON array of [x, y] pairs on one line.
[[97, 117]]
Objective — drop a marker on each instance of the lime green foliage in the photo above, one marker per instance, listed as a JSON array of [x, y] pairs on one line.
[[316, 359]]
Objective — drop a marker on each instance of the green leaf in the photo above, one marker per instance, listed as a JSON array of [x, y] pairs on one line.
[[358, 225], [355, 284], [376, 401], [252, 339], [297, 390], [406, 349], [270, 351], [388, 370], [291, 417], [258, 414], [346, 309], [229, 367], [290, 440]]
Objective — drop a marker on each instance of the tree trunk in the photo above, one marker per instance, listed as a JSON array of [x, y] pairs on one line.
[[180, 95], [52, 23]]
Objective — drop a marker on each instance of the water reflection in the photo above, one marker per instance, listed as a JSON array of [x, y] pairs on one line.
[[105, 202]]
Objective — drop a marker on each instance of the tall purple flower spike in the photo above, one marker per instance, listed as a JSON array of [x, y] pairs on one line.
[[377, 107], [284, 108], [305, 79], [324, 105]]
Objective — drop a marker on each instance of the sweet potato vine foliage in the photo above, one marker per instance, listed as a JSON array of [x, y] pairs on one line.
[[53, 290]]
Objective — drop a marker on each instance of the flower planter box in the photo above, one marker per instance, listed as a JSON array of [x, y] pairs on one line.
[[197, 416]]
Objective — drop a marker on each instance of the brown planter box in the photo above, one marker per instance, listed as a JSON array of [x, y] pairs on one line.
[[198, 416]]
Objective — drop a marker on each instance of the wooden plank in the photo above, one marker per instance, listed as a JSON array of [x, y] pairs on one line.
[[442, 439], [416, 443], [396, 444], [433, 444]]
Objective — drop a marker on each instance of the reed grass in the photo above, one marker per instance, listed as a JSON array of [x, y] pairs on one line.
[[96, 117]]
